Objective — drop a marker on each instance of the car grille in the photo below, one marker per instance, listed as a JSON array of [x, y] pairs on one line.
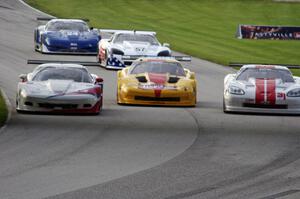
[[163, 99], [275, 106], [62, 106]]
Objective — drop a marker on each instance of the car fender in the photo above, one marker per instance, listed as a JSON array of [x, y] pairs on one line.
[[228, 78], [103, 43], [38, 32], [297, 79]]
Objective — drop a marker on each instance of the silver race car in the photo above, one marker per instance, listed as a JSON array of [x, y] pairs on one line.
[[60, 88], [124, 47], [262, 89]]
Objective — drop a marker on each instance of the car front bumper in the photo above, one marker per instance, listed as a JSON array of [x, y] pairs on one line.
[[148, 97], [61, 104], [236, 103]]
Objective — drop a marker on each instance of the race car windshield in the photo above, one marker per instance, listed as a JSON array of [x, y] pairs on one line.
[[158, 67], [77, 75], [265, 73], [70, 25], [120, 38]]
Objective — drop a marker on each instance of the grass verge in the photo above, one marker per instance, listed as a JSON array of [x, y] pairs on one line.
[[3, 110], [201, 28]]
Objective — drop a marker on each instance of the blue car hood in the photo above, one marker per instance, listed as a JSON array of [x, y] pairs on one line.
[[72, 35]]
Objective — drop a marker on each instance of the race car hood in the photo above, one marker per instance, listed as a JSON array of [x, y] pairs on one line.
[[53, 88], [139, 48], [253, 83], [72, 36], [278, 83], [273, 88], [157, 81]]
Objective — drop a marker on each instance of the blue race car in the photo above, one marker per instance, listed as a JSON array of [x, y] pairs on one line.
[[66, 36]]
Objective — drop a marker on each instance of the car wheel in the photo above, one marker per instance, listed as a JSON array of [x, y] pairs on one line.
[[118, 98], [224, 106], [17, 100], [36, 49]]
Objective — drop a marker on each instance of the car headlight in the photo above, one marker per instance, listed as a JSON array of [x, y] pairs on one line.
[[294, 93], [236, 90], [23, 93]]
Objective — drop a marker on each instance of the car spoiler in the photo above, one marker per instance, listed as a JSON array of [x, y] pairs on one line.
[[84, 63], [290, 66], [49, 18], [178, 58], [112, 31]]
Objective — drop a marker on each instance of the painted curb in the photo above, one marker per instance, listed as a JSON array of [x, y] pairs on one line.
[[9, 110], [41, 12]]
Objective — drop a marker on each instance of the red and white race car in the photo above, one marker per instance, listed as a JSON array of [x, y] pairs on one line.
[[262, 89]]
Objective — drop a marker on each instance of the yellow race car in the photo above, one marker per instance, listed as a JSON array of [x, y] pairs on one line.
[[157, 81]]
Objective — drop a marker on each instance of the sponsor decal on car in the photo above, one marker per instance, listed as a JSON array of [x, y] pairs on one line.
[[156, 87], [297, 35], [268, 32]]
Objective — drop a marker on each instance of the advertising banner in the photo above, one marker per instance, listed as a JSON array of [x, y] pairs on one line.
[[268, 32]]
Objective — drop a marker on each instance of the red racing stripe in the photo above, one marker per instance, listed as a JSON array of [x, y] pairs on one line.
[[260, 91], [271, 91], [102, 53], [157, 93], [157, 79]]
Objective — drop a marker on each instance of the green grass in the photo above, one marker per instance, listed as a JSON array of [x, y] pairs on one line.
[[202, 28], [3, 111], [296, 72]]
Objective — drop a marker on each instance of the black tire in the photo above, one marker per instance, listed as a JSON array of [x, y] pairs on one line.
[[224, 106], [118, 97]]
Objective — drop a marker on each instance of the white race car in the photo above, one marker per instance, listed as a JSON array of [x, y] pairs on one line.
[[60, 88], [124, 47], [262, 89]]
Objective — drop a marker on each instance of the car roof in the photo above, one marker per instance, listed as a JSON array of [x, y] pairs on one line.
[[66, 20], [157, 59], [264, 66], [131, 32], [59, 65]]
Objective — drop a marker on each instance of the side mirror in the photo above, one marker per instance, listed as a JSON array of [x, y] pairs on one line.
[[23, 77], [98, 80], [166, 45], [192, 75]]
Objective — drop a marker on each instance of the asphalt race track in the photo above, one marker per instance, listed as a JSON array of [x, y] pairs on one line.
[[139, 152]]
